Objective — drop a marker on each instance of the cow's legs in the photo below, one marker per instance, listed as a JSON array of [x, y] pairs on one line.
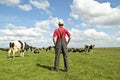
[[22, 54], [13, 54], [9, 52]]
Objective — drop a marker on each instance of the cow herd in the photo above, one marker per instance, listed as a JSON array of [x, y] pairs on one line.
[[22, 47], [87, 48]]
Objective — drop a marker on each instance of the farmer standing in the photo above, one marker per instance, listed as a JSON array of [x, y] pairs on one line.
[[59, 39]]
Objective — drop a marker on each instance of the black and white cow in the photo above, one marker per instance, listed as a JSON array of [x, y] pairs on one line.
[[16, 46], [89, 47], [36, 51], [50, 48]]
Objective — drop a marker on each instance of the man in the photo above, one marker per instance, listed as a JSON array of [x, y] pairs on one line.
[[59, 39]]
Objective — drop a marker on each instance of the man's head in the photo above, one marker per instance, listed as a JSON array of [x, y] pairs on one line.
[[60, 23]]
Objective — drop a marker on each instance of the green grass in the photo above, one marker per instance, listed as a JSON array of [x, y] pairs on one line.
[[101, 64]]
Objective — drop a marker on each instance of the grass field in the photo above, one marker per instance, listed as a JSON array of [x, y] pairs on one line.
[[102, 64]]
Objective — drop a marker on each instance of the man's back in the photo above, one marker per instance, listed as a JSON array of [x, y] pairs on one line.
[[61, 31]]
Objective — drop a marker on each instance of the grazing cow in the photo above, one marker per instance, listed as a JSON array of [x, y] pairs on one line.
[[36, 51], [50, 48], [4, 49], [16, 46], [70, 49], [75, 50], [89, 48]]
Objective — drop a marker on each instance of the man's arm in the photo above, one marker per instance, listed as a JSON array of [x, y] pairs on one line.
[[69, 38], [54, 37], [54, 41]]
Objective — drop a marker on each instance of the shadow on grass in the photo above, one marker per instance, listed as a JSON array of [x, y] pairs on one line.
[[44, 66], [12, 56], [47, 67], [17, 56]]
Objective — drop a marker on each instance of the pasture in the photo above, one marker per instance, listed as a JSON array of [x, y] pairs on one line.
[[102, 64]]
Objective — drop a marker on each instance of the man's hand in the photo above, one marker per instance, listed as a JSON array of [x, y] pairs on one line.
[[54, 41]]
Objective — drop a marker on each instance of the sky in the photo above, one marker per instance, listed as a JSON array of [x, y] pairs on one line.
[[34, 21]]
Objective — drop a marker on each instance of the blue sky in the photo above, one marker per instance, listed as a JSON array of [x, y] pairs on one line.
[[33, 21]]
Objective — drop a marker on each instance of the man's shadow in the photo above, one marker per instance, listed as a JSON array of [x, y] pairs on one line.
[[44, 66], [47, 67]]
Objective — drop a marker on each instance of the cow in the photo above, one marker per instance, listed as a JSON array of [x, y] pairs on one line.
[[50, 48], [4, 49], [36, 51], [76, 50], [16, 46], [89, 48]]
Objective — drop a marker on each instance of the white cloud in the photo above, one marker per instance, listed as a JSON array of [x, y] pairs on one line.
[[40, 35], [86, 26], [47, 24], [22, 31], [10, 2], [43, 24], [43, 5], [89, 36], [5, 33], [19, 31], [11, 26], [118, 34], [25, 7], [92, 11], [14, 32], [72, 24]]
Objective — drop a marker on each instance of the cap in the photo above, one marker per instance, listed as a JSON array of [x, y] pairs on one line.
[[60, 22]]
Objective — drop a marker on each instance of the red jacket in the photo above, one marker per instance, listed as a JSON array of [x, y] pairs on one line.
[[61, 30]]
